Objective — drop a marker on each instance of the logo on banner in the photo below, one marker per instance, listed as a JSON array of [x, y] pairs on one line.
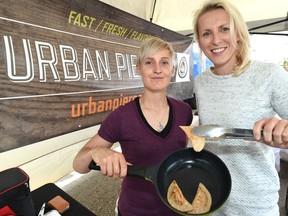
[[182, 73]]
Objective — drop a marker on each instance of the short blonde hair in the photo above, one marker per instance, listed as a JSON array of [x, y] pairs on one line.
[[151, 46], [237, 24]]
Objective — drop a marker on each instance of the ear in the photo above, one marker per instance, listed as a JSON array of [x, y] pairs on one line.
[[173, 71], [138, 69], [199, 45]]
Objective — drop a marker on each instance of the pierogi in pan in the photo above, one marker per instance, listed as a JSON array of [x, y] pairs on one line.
[[201, 203]]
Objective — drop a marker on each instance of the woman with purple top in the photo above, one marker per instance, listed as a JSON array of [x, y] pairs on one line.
[[147, 129]]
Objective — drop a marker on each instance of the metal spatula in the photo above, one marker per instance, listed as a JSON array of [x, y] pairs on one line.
[[217, 132]]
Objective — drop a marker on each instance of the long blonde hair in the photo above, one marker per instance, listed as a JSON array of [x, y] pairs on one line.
[[237, 24]]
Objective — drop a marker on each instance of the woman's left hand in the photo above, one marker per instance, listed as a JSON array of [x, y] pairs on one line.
[[275, 132]]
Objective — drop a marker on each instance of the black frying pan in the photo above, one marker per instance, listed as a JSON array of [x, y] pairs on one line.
[[188, 168]]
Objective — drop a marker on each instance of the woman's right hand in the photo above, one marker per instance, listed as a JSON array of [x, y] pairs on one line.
[[111, 162], [275, 132]]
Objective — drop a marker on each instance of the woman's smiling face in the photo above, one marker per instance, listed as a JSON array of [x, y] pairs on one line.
[[216, 41]]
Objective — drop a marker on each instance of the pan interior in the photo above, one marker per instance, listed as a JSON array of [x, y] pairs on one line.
[[189, 168]]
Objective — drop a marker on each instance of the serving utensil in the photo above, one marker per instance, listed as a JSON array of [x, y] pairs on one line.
[[216, 132]]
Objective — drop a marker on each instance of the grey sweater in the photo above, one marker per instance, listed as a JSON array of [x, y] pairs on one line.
[[261, 91]]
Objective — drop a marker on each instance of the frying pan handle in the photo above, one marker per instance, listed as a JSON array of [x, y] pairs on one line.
[[94, 166], [136, 171]]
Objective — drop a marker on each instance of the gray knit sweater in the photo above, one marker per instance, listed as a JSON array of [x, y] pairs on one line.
[[261, 91]]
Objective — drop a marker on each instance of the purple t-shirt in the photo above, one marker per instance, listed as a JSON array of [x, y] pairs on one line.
[[142, 146]]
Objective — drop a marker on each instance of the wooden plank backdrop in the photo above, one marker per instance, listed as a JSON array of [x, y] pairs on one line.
[[65, 65]]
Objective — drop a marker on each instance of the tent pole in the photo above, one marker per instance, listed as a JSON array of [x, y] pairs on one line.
[[152, 15]]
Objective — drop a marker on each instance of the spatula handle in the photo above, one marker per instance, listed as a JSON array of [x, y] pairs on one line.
[[241, 133]]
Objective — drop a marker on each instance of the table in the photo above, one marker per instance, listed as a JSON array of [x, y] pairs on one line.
[[49, 191]]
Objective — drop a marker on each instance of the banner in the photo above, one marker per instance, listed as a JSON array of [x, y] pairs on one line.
[[65, 65]]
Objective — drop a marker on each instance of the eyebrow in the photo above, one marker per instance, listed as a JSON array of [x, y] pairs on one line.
[[225, 24], [151, 58], [221, 26]]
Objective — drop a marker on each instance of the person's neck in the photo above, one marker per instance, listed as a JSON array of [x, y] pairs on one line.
[[155, 110], [222, 71], [154, 101], [225, 69]]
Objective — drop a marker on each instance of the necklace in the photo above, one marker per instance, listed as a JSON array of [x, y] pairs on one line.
[[160, 125]]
